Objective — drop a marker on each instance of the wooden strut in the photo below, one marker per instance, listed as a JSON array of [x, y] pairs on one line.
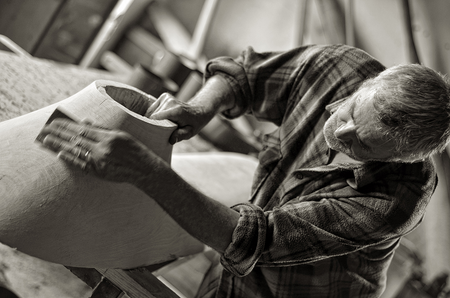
[[118, 283]]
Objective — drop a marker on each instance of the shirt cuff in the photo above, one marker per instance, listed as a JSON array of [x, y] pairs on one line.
[[235, 76], [248, 240]]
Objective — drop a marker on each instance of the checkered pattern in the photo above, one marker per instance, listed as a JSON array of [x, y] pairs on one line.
[[313, 229]]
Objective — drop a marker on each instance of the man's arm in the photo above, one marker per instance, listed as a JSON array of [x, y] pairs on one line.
[[117, 156], [204, 218], [214, 97]]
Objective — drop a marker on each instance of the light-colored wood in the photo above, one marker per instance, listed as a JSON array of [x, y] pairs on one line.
[[26, 86], [121, 17], [349, 26], [62, 215], [30, 277], [201, 29], [144, 40], [186, 278], [30, 85], [113, 63], [137, 283], [224, 176], [175, 36], [332, 20], [14, 47]]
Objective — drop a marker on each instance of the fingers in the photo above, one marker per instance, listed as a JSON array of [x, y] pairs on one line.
[[183, 133], [163, 103], [79, 160], [66, 129], [152, 108], [73, 142], [74, 152]]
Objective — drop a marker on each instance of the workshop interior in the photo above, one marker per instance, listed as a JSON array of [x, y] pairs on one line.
[[162, 46]]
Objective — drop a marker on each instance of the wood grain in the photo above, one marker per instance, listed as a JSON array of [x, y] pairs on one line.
[[59, 214], [29, 85]]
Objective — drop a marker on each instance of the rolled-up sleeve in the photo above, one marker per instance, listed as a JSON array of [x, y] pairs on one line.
[[235, 75], [262, 82], [248, 240], [328, 224]]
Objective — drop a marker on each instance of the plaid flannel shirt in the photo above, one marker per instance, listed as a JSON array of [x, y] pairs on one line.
[[313, 228]]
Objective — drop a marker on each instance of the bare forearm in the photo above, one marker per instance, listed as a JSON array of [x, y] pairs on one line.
[[204, 218], [215, 95], [117, 156]]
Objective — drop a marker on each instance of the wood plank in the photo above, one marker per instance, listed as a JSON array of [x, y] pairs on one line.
[[175, 36], [332, 18], [106, 289], [138, 283], [139, 47], [201, 30], [89, 276], [30, 277], [123, 15], [187, 277]]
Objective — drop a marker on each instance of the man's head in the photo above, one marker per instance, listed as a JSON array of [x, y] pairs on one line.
[[403, 114]]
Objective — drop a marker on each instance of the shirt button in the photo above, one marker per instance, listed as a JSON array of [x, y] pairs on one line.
[[298, 175]]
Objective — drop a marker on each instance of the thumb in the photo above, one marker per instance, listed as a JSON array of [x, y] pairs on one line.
[[161, 115], [182, 133]]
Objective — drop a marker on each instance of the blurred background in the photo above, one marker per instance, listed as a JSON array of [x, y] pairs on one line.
[[169, 41], [64, 30]]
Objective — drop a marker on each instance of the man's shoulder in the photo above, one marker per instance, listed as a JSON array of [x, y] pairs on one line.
[[364, 63], [424, 169], [420, 174]]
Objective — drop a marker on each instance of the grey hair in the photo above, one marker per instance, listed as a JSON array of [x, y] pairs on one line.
[[413, 105]]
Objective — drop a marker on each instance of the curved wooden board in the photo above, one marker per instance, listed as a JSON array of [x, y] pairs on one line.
[[224, 176], [59, 214]]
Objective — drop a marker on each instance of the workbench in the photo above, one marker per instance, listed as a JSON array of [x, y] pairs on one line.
[[28, 84]]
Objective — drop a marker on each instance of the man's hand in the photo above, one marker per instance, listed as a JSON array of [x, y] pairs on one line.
[[109, 154], [215, 97], [190, 117], [117, 156]]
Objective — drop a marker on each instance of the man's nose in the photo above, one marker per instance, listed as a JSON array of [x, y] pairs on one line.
[[346, 131]]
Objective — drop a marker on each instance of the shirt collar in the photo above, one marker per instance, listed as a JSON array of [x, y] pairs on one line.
[[367, 172], [371, 171]]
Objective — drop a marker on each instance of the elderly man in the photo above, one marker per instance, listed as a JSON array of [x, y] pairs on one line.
[[343, 178]]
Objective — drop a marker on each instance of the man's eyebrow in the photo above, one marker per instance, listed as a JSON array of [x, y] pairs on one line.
[[352, 113]]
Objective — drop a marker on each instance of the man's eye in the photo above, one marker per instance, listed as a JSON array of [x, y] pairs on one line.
[[364, 147]]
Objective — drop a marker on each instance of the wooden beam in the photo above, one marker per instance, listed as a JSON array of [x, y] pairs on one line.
[[332, 20], [138, 283], [301, 22], [349, 23], [201, 29], [173, 34]]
